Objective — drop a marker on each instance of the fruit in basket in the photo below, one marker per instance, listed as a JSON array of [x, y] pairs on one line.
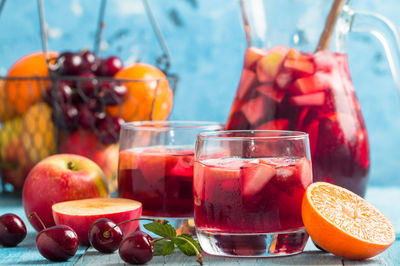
[[343, 223], [39, 135], [15, 163], [109, 66], [17, 96], [86, 143], [151, 91], [59, 178], [81, 214]]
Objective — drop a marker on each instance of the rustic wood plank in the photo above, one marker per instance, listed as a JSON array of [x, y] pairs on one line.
[[93, 257], [26, 253]]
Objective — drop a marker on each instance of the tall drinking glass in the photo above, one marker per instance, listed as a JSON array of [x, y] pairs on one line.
[[248, 189], [156, 167]]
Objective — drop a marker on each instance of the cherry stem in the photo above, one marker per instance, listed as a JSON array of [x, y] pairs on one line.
[[107, 233], [37, 217]]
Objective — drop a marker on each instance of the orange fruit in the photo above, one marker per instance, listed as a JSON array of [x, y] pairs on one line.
[[17, 96], [343, 223], [149, 96]]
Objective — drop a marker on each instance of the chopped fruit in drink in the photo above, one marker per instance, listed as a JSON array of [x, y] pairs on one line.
[[313, 132], [284, 78], [269, 65], [302, 116], [362, 151], [238, 121], [247, 79], [325, 61], [255, 177], [312, 99], [254, 110], [252, 55], [277, 124], [272, 93], [345, 224], [299, 63], [128, 160], [317, 82], [304, 172], [183, 166]]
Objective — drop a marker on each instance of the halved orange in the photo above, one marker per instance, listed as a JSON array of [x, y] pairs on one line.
[[343, 223]]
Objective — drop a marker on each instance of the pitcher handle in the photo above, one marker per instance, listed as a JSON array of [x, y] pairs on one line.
[[383, 29]]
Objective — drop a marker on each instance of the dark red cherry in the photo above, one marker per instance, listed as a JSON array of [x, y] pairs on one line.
[[136, 248], [12, 230], [62, 92], [110, 66], [86, 117], [89, 59], [105, 236], [108, 129], [87, 84], [57, 243], [112, 93], [70, 63], [65, 116]]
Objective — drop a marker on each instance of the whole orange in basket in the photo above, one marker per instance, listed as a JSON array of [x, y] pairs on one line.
[[17, 96], [343, 223], [149, 95]]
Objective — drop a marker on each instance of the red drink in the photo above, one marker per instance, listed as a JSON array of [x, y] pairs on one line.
[[160, 178], [250, 195], [288, 90], [240, 199]]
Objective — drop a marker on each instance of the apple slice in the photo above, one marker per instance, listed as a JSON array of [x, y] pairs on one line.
[[253, 54], [254, 177], [271, 92], [254, 110], [277, 124], [80, 214], [269, 65], [312, 99], [247, 79]]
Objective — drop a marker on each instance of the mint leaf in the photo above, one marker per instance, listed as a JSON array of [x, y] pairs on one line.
[[181, 242], [163, 247], [163, 230], [169, 247], [158, 247]]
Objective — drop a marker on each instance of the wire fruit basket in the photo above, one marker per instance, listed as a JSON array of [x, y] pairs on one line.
[[50, 103]]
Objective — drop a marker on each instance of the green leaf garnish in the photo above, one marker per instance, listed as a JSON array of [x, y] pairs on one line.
[[169, 240], [163, 230], [185, 243]]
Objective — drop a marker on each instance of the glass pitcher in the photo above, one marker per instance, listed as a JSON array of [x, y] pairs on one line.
[[287, 85]]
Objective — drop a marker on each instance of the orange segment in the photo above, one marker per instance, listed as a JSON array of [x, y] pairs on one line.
[[18, 95], [345, 224], [149, 97]]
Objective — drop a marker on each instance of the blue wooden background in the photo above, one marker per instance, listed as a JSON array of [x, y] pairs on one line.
[[207, 43]]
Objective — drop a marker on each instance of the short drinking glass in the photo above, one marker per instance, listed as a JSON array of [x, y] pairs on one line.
[[248, 189], [156, 167]]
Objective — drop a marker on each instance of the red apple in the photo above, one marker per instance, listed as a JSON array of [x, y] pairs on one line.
[[59, 178], [81, 214], [87, 144]]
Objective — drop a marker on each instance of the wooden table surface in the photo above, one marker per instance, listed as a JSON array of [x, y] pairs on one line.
[[385, 199]]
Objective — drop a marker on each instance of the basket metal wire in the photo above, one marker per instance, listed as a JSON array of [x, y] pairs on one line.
[[28, 138]]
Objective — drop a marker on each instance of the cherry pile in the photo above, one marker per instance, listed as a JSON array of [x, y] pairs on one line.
[[82, 87], [60, 242]]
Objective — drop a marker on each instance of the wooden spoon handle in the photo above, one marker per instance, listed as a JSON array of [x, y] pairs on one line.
[[330, 22]]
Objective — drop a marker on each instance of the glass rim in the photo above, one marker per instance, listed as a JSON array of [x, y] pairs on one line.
[[171, 124], [285, 135]]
